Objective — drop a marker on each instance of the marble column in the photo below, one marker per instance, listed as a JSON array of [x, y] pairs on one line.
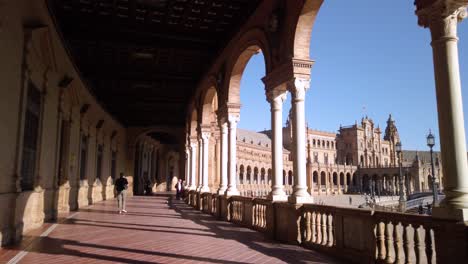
[[224, 157], [232, 127], [205, 136], [276, 98], [193, 161], [298, 88], [188, 179], [200, 163], [442, 19]]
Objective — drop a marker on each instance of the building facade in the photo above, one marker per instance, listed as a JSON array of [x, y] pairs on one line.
[[356, 159]]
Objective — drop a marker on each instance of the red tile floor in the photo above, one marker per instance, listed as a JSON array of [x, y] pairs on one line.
[[156, 229]]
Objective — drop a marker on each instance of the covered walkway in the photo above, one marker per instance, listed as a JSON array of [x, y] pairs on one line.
[[157, 229]]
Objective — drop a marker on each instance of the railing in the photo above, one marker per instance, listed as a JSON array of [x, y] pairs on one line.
[[262, 215], [357, 235], [404, 238]]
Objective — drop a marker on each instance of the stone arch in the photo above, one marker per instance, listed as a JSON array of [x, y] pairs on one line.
[[209, 106], [348, 179], [323, 178], [255, 177], [248, 178], [335, 178], [284, 178], [304, 26], [315, 177], [241, 174], [290, 178], [193, 123], [250, 43], [269, 176], [342, 178], [262, 176]]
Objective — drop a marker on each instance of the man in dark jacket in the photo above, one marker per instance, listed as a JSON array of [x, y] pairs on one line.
[[121, 185]]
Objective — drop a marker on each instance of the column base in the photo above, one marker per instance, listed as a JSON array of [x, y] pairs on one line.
[[450, 213], [204, 189], [231, 193], [221, 191], [277, 197], [300, 199]]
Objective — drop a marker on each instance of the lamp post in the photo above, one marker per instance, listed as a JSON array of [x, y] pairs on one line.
[[430, 143], [402, 200]]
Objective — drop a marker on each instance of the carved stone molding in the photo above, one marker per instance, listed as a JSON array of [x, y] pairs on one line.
[[429, 12], [298, 88], [276, 97]]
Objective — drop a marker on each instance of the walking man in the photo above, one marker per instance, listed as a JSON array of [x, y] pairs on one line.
[[121, 185], [179, 189]]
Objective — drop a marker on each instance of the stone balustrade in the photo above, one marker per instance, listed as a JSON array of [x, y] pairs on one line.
[[356, 235]]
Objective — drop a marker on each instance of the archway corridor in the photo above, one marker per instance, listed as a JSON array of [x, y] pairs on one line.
[[156, 229]]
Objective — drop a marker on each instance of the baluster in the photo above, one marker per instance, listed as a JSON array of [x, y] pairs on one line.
[[408, 244], [428, 242], [255, 215], [313, 227], [319, 228], [389, 243], [330, 230], [381, 252], [419, 247], [397, 234], [264, 216], [324, 229], [308, 229]]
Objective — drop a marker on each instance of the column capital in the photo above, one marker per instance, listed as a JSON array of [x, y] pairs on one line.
[[298, 88], [233, 118], [276, 95], [205, 136], [430, 11]]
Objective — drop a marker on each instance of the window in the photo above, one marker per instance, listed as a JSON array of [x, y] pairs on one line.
[[316, 157], [99, 161], [30, 137], [326, 158], [83, 156]]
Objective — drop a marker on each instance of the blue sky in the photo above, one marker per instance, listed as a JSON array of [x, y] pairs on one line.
[[371, 59]]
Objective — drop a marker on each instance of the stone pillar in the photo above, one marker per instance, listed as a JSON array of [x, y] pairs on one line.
[[224, 157], [298, 88], [276, 98], [200, 163], [205, 138], [193, 161], [188, 179], [442, 18], [232, 126]]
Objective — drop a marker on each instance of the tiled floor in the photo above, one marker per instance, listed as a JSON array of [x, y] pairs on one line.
[[156, 229]]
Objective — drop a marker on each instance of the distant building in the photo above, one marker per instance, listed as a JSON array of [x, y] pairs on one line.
[[357, 159]]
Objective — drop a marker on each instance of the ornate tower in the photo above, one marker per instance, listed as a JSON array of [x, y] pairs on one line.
[[391, 134]]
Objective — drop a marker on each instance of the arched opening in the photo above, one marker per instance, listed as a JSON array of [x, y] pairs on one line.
[[290, 178], [315, 177], [269, 177], [335, 179], [262, 176], [241, 174], [255, 178], [323, 179], [249, 175], [366, 183]]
